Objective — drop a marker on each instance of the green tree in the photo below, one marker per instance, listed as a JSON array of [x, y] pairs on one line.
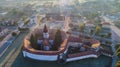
[[33, 41], [117, 64], [117, 46], [82, 27], [118, 52], [14, 33], [118, 49], [57, 40], [26, 21], [98, 29]]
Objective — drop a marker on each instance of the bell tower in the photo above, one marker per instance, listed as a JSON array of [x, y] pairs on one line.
[[45, 32]]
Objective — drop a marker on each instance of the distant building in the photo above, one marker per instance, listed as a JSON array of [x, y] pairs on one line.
[[4, 32], [105, 24], [90, 24], [57, 17]]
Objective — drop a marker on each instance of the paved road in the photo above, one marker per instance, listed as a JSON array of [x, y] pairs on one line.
[[117, 31], [12, 52], [6, 45]]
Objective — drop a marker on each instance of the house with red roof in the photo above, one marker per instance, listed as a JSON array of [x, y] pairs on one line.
[[105, 24]]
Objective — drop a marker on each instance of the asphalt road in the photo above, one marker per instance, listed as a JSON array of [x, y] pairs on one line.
[[12, 52]]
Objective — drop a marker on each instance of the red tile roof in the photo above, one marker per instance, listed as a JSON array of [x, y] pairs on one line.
[[105, 23], [45, 42], [74, 39], [81, 54]]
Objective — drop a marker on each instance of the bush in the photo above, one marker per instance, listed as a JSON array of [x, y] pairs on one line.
[[57, 40], [33, 41], [14, 33]]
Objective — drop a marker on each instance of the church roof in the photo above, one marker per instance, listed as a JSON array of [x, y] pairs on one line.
[[45, 42], [45, 30], [74, 39]]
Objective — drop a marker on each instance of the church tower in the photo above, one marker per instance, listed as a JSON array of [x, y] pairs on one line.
[[46, 44], [45, 32]]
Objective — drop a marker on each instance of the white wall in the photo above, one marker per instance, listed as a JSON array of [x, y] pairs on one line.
[[40, 57], [74, 44], [81, 57]]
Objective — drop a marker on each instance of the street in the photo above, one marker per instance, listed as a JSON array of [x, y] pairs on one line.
[[12, 52]]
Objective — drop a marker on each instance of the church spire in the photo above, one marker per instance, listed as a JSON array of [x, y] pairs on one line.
[[45, 30]]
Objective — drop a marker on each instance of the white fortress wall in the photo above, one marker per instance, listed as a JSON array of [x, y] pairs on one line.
[[40, 57], [81, 57]]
